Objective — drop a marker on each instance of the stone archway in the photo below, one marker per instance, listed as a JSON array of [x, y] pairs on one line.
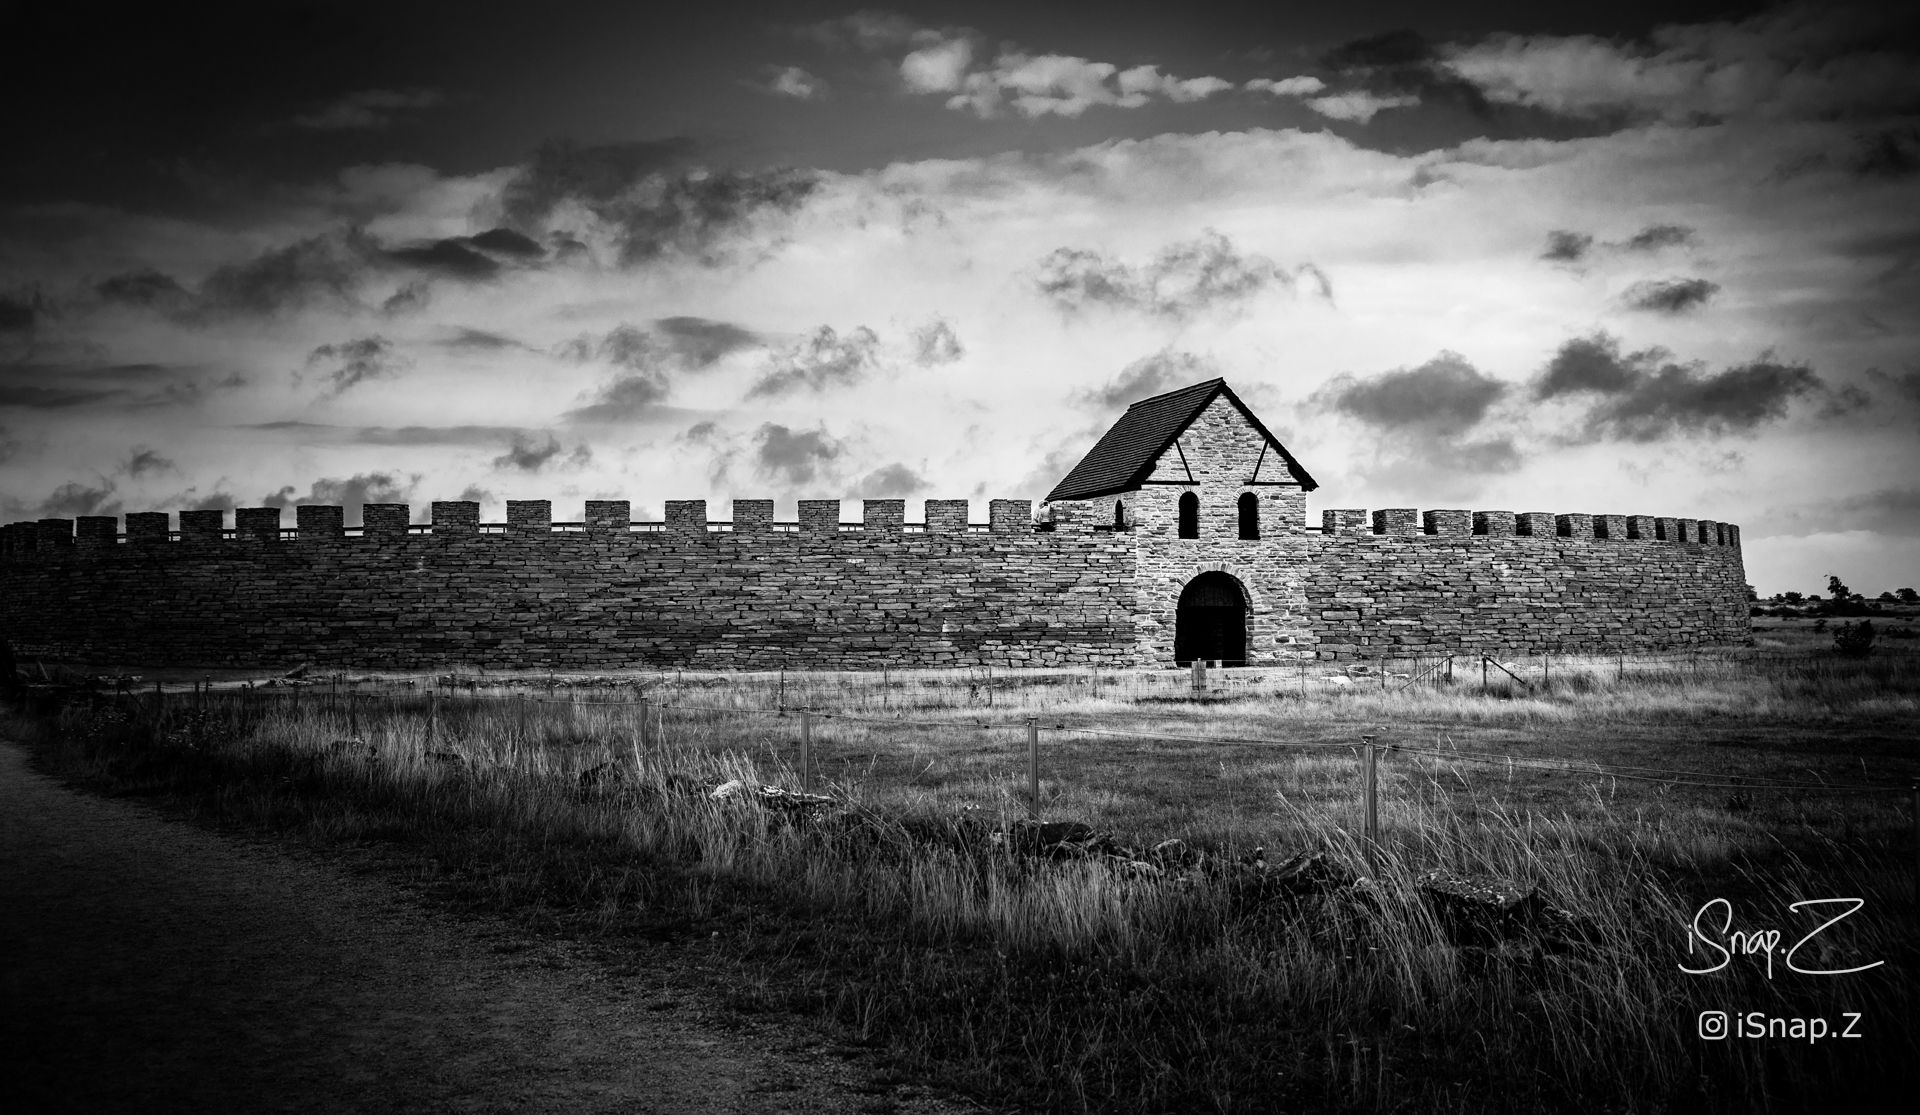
[[1210, 622]]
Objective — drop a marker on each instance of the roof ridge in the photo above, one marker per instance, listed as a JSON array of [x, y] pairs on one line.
[[1178, 390]]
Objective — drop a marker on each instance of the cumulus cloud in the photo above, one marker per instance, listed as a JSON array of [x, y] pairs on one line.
[[467, 339], [894, 481], [319, 270], [144, 460], [1799, 60], [1185, 279], [526, 455], [350, 363], [935, 343], [792, 81], [74, 499], [1395, 69], [1446, 395], [1359, 106], [824, 359], [369, 109], [351, 493], [1149, 376], [1303, 86], [1431, 411], [648, 201], [1644, 396], [794, 457], [1669, 296]]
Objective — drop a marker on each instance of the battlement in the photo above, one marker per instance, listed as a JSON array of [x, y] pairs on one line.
[[819, 518], [1575, 527]]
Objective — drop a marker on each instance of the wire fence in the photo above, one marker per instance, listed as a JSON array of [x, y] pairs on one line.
[[850, 733]]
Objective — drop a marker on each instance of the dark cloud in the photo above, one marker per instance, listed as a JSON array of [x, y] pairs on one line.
[[17, 314], [1567, 246], [476, 493], [368, 109], [700, 342], [145, 287], [351, 493], [794, 457], [1888, 153], [71, 500], [144, 460], [657, 205], [936, 343], [51, 386], [506, 242], [825, 359], [1187, 278], [1590, 364], [479, 340], [351, 363], [525, 455], [645, 383], [1404, 63], [1669, 296], [1902, 386], [9, 445], [216, 500], [1446, 395], [894, 481], [468, 258], [410, 297], [317, 270], [1653, 238], [450, 258], [1642, 396], [1149, 376]]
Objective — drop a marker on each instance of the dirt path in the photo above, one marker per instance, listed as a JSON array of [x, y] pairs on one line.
[[146, 965]]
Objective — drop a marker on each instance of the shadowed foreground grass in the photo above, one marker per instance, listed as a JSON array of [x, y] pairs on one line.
[[1086, 985]]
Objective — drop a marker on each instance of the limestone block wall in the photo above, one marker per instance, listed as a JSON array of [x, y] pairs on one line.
[[1402, 583], [605, 594]]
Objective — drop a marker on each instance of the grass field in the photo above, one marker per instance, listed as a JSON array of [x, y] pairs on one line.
[[1627, 794]]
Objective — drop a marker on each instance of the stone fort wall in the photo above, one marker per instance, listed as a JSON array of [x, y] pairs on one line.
[[608, 593], [601, 594]]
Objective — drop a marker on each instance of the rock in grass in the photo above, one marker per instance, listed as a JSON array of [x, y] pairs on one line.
[[1479, 911]]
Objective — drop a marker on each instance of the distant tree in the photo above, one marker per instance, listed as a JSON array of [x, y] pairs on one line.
[[1752, 596], [1888, 597], [1792, 598], [1836, 589], [1908, 596], [1813, 598]]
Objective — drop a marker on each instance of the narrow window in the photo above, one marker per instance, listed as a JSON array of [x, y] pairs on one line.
[[1189, 515], [1249, 515], [1119, 515]]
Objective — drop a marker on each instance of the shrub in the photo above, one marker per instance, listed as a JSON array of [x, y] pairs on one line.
[[1854, 640]]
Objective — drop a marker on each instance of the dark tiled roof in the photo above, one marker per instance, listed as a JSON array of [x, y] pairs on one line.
[[1125, 455]]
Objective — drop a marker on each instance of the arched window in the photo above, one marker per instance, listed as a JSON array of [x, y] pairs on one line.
[[1249, 515], [1189, 515], [1119, 515]]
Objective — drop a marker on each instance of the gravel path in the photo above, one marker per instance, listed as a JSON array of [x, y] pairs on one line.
[[148, 965]]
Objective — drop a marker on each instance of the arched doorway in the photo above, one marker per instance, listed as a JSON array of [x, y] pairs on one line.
[[1211, 622]]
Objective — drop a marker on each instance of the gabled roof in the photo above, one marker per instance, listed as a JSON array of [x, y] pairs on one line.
[[1124, 456]]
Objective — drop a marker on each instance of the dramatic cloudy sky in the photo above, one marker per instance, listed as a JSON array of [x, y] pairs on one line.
[[1628, 258]]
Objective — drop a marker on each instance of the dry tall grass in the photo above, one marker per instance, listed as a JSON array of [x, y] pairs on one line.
[[1083, 985]]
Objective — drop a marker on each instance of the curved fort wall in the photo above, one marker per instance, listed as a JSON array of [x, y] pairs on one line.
[[751, 593]]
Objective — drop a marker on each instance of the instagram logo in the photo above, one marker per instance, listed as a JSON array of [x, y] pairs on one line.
[[1713, 1025]]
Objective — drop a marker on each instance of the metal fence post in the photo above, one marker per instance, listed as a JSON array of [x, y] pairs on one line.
[[1033, 766], [806, 748], [1370, 784], [645, 732], [1199, 675]]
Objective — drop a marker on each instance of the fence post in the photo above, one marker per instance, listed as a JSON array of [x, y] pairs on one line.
[[1483, 673], [1033, 766], [645, 732], [353, 715], [806, 748], [1546, 671], [1199, 675], [1370, 784], [433, 713]]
